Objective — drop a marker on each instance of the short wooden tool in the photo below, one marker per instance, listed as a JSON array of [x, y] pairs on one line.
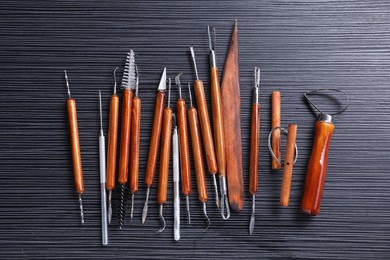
[[276, 142], [288, 165], [232, 124]]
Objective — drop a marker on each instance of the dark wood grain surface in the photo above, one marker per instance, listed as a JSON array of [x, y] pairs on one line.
[[299, 46]]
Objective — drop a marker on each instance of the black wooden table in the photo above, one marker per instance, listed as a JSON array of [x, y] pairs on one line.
[[299, 46]]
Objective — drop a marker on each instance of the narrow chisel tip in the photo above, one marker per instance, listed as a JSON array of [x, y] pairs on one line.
[[145, 209], [132, 207]]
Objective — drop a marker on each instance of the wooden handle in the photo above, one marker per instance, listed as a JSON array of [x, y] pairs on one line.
[[164, 158], [275, 138], [216, 102], [112, 142], [155, 139], [205, 127], [134, 144], [197, 153], [254, 153], [184, 148], [123, 174], [316, 169], [75, 145], [288, 165]]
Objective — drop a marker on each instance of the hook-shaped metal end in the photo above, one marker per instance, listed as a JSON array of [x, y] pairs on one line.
[[178, 83], [114, 76], [145, 209], [252, 221], [207, 217], [194, 62], [216, 190], [327, 89], [81, 209], [285, 132], [67, 83], [109, 206], [162, 220], [224, 198], [169, 92]]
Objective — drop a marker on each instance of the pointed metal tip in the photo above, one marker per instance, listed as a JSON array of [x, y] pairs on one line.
[[216, 190], [163, 81], [251, 225], [188, 209], [109, 214], [145, 209], [132, 207]]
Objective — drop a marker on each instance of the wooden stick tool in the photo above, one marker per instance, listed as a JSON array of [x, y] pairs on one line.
[[289, 160], [75, 147], [205, 127], [254, 150], [216, 102], [155, 140]]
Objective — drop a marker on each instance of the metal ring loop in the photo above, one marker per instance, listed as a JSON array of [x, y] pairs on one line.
[[327, 89], [285, 132]]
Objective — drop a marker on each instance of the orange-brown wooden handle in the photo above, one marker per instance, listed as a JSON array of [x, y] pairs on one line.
[[219, 138], [197, 153], [112, 142], [288, 165], [155, 139], [254, 152], [316, 169], [135, 144], [75, 145], [123, 174], [184, 148], [205, 127], [275, 138], [164, 158]]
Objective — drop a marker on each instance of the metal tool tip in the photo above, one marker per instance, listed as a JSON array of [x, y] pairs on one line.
[[207, 217], [252, 221], [145, 209], [162, 220], [67, 83], [114, 76], [169, 92], [188, 209], [132, 207], [109, 206], [81, 209], [216, 190]]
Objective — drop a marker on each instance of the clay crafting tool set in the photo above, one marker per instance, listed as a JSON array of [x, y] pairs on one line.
[[216, 144]]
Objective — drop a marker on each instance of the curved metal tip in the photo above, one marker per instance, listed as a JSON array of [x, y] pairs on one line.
[[194, 62], [162, 220], [207, 217], [145, 209], [225, 204], [114, 76]]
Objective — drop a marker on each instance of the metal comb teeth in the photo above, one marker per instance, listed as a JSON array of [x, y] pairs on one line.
[[129, 77], [211, 33]]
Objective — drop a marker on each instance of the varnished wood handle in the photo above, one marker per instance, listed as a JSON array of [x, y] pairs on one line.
[[75, 145], [288, 165], [219, 138], [123, 174], [184, 148], [155, 139], [254, 152], [164, 158], [316, 169], [112, 142], [135, 144], [205, 127], [275, 138], [197, 153]]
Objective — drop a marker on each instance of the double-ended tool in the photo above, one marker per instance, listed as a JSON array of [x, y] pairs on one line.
[[219, 136], [176, 182], [75, 147], [102, 160], [155, 140]]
